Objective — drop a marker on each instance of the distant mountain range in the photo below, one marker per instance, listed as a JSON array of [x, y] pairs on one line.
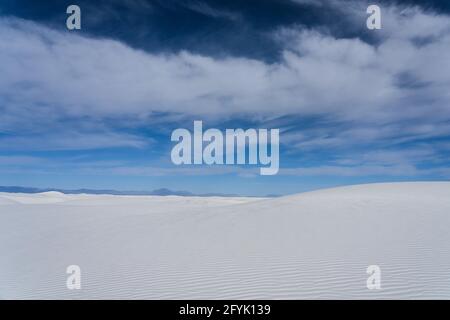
[[157, 192]]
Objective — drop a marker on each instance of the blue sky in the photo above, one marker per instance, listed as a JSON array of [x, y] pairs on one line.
[[94, 108]]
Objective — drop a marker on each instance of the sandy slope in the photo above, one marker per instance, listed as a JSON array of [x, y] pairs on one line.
[[312, 245]]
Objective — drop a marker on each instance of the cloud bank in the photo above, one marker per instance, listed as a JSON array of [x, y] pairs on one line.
[[59, 72], [68, 88]]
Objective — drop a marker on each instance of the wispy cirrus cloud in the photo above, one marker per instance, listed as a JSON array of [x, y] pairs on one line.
[[72, 141], [205, 9]]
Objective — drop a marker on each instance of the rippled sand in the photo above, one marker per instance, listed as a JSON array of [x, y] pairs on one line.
[[311, 245]]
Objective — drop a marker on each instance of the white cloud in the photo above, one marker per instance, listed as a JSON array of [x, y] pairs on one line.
[[47, 75]]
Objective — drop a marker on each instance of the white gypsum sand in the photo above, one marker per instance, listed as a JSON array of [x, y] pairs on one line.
[[311, 245]]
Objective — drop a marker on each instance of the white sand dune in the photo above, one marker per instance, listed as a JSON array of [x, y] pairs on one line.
[[312, 245]]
